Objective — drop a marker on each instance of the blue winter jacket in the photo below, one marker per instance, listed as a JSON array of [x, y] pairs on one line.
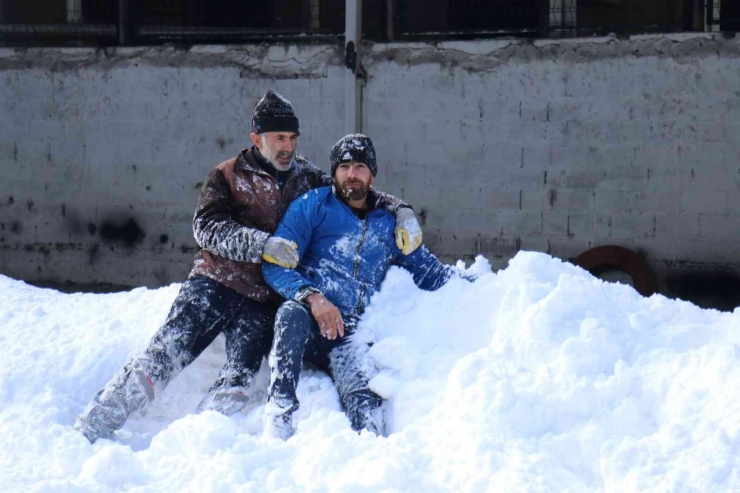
[[343, 256]]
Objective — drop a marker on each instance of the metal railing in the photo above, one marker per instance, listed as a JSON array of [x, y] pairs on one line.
[[625, 17], [563, 15], [135, 22], [713, 13], [723, 15], [141, 22], [468, 18], [225, 21], [552, 18], [63, 22]]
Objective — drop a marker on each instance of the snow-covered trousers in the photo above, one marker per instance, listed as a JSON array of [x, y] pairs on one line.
[[297, 337], [202, 310]]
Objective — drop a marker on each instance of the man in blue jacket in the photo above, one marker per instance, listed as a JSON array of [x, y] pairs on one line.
[[345, 246]]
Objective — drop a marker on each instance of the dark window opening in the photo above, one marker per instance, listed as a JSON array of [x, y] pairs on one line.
[[482, 16], [100, 22], [729, 14]]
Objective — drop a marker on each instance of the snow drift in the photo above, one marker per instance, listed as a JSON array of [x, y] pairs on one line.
[[540, 378]]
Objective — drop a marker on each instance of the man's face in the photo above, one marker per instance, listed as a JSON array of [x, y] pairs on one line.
[[352, 180], [277, 147]]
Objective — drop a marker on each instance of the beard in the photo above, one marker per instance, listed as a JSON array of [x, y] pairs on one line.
[[353, 190], [273, 156]]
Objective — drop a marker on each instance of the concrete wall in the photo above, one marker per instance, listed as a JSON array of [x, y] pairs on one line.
[[554, 146], [562, 146], [102, 155]]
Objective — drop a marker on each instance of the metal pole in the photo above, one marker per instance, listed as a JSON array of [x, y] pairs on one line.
[[353, 62], [543, 27], [709, 15], [74, 11], [698, 15], [569, 14], [390, 20], [315, 15], [123, 35]]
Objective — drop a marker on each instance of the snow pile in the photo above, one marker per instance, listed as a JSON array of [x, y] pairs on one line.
[[540, 378]]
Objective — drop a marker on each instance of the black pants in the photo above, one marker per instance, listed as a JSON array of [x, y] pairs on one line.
[[297, 337], [202, 310]]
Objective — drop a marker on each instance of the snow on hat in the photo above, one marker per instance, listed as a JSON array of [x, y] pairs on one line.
[[274, 113], [355, 147]]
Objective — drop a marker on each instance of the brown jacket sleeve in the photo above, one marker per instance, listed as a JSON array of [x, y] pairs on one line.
[[216, 230]]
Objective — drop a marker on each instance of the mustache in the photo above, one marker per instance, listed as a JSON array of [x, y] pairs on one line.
[[285, 154], [353, 193]]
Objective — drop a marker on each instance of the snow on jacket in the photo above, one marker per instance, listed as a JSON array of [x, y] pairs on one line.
[[239, 207], [343, 256]]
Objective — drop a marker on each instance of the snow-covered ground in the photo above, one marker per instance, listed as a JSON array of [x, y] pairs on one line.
[[539, 378]]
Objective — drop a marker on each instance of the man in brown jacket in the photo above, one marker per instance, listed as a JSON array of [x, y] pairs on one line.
[[239, 208]]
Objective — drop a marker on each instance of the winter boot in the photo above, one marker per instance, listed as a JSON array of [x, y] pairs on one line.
[[130, 390], [371, 420], [278, 426], [224, 401], [88, 431]]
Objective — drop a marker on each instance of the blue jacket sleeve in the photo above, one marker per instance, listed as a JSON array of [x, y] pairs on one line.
[[297, 226], [429, 273]]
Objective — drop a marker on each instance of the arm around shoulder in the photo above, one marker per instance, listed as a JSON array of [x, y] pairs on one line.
[[408, 231]]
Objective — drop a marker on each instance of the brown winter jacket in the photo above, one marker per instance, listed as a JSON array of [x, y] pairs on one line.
[[240, 206]]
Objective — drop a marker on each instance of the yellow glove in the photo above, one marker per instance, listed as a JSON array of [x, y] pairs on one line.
[[408, 231], [280, 251]]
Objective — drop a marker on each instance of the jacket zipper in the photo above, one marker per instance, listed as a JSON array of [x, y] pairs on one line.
[[361, 302], [282, 206]]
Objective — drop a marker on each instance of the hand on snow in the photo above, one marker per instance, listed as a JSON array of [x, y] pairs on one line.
[[408, 231], [281, 252], [327, 315], [481, 267]]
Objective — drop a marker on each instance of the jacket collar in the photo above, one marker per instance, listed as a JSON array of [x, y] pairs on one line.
[[247, 160]]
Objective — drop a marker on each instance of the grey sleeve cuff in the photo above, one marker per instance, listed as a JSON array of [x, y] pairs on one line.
[[303, 293]]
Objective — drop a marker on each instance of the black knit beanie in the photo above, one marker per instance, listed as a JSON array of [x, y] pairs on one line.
[[274, 113], [355, 147]]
